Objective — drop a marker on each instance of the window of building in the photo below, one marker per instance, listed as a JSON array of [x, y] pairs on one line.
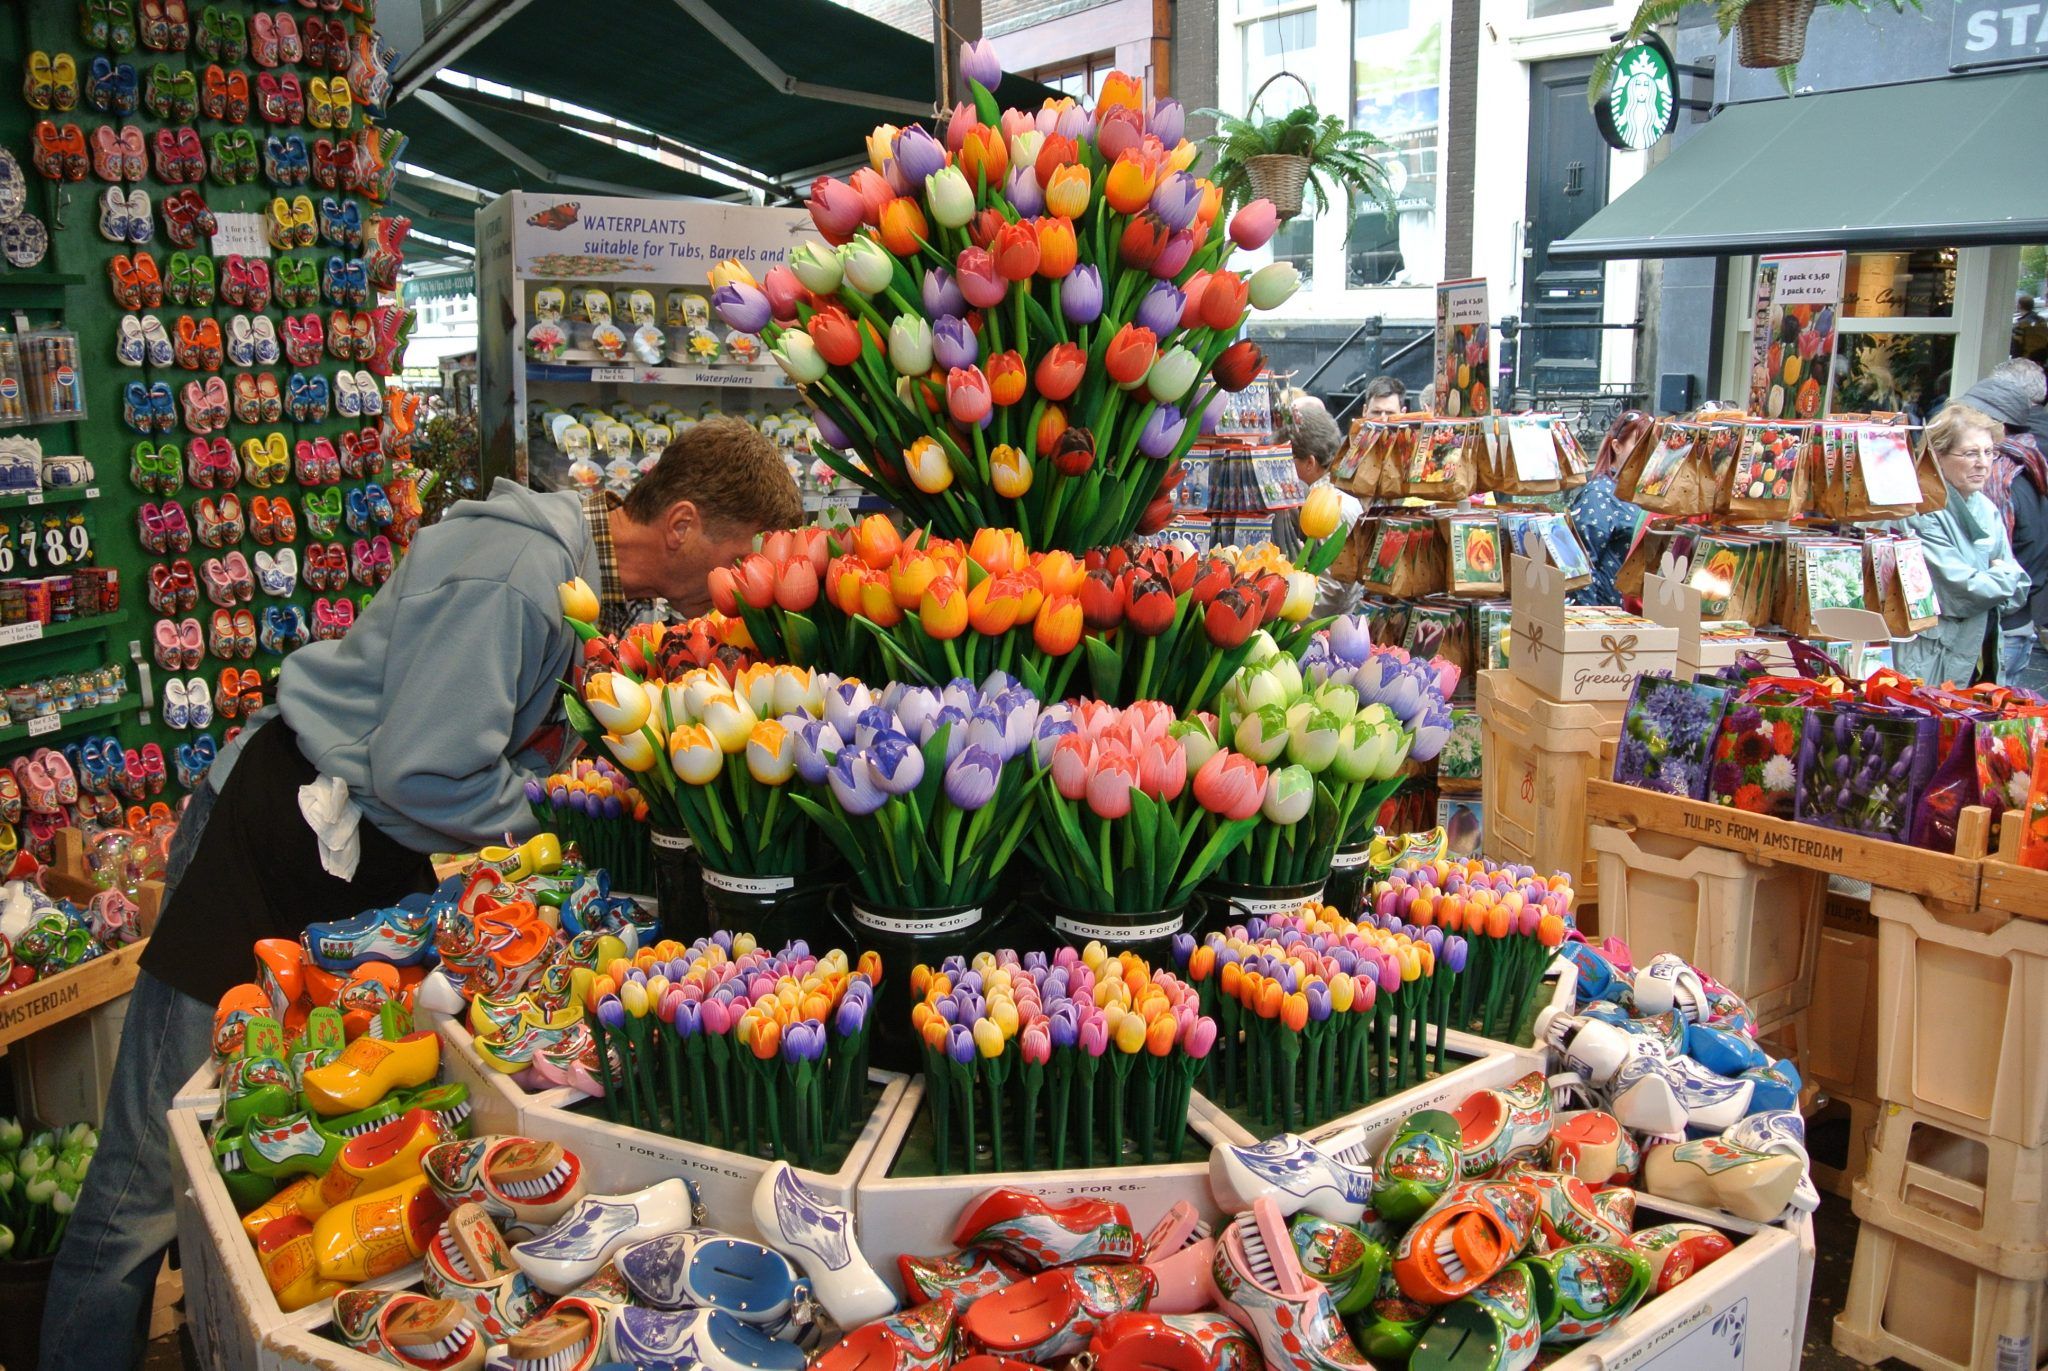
[[1920, 284], [1892, 371], [1078, 78], [1284, 42], [1396, 93]]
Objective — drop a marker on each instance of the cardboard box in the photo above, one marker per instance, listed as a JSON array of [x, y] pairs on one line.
[[1579, 652]]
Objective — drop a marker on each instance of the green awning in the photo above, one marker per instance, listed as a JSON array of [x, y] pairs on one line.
[[1931, 164], [443, 146], [661, 68]]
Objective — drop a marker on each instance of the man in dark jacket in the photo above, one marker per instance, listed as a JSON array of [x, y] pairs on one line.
[[2013, 395]]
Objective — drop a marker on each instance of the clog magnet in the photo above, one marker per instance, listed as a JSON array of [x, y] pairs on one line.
[[697, 1268], [1297, 1175], [369, 1069], [819, 1236], [710, 1339], [398, 936], [919, 1339], [1172, 1342], [1498, 1126], [1036, 1233]]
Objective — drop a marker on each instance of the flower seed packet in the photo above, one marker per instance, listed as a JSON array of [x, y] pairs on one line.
[[1476, 561], [1916, 583], [1766, 468], [1458, 767], [1887, 465]]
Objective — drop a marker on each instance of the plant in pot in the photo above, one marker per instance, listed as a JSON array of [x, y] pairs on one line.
[[1768, 33], [1301, 151]]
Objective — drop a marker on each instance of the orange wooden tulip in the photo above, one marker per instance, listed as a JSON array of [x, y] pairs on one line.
[[984, 156], [876, 602], [1057, 629], [1060, 573], [992, 606], [942, 609], [1066, 194], [1006, 378], [909, 575], [903, 224], [1052, 422], [1058, 250], [1129, 185]]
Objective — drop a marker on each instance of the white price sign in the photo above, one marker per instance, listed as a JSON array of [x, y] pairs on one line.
[[20, 633], [611, 374], [44, 723]]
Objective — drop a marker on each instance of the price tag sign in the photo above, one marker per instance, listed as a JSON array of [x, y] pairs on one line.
[[44, 723], [92, 492], [35, 497], [240, 234], [611, 373], [29, 632]]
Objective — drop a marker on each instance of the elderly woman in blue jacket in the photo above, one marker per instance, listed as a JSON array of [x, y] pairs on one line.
[[1968, 552]]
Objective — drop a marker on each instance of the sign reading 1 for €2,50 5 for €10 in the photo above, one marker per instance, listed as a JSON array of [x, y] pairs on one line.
[[1641, 103]]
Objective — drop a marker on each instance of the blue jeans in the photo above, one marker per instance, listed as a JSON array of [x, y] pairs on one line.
[[105, 1273], [2015, 650]]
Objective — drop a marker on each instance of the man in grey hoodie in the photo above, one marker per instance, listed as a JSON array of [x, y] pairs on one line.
[[429, 716]]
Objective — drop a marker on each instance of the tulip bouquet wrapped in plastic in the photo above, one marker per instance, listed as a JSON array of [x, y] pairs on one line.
[[596, 806], [40, 1175], [1141, 808], [727, 1044], [1097, 1050], [925, 791], [1512, 918], [1320, 1015], [1022, 323]]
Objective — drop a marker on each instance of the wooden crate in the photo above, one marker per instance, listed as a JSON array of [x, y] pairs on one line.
[[1536, 757], [40, 1004], [1859, 1119], [1982, 1199], [1963, 1016], [1752, 924], [1936, 1311]]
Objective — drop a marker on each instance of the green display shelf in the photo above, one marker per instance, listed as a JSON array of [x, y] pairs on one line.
[[67, 723], [64, 495], [30, 635]]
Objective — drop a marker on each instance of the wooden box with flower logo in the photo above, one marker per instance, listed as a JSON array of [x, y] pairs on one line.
[[1575, 653]]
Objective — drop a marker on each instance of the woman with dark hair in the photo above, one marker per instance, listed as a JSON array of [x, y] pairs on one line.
[[1606, 525]]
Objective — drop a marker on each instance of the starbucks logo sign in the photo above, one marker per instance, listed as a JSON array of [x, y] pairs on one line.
[[1641, 103]]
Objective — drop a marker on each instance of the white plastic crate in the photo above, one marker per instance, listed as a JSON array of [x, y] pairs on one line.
[[202, 1090], [1963, 1017], [1970, 1196], [1537, 756], [631, 1158], [1752, 926], [61, 1073], [1937, 1311], [497, 1099]]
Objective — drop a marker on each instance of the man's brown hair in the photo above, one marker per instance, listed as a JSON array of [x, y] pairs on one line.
[[729, 470]]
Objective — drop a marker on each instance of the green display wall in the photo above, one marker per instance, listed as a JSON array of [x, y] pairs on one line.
[[72, 286]]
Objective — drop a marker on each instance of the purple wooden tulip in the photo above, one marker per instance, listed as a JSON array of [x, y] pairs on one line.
[[1318, 1002], [829, 432], [803, 1041], [1455, 952], [611, 1013], [960, 1044], [979, 63], [953, 343], [1176, 198], [1163, 430], [853, 1013], [853, 784], [942, 295], [895, 764], [1066, 1024], [742, 307], [688, 1020], [1022, 190], [1081, 295], [534, 792], [1160, 309], [871, 723], [1168, 122], [817, 743], [918, 154], [971, 778]]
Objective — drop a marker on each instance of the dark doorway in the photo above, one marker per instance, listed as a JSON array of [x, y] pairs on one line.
[[1567, 186]]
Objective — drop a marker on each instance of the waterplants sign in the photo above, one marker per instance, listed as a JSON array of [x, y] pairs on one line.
[[1641, 103]]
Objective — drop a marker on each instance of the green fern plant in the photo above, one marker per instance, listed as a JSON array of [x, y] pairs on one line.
[[1339, 158], [1654, 13]]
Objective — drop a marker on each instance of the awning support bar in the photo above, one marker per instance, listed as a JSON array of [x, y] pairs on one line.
[[764, 66]]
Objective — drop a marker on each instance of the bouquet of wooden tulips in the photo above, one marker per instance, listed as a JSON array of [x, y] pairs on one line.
[[596, 806], [1321, 1015], [656, 652], [1141, 809], [713, 757], [925, 791], [1107, 1048], [730, 1045], [40, 1175], [1022, 322], [1512, 918]]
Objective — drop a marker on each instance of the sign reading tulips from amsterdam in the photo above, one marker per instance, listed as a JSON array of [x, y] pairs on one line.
[[673, 242]]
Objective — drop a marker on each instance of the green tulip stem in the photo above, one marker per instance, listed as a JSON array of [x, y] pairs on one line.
[[996, 1070], [1059, 320], [1089, 1066], [1020, 293], [700, 1105], [1120, 1071], [1062, 1094], [964, 1078], [1148, 1110], [1031, 1077], [604, 1067], [940, 1108]]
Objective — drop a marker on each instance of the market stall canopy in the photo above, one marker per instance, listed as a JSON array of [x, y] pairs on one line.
[[1933, 164], [774, 90]]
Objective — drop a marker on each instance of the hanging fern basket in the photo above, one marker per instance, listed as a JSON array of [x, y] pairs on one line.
[[1279, 177], [1772, 33]]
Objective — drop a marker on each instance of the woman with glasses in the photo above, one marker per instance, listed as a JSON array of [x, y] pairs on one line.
[[1968, 553]]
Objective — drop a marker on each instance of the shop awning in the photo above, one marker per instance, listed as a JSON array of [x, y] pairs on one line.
[[1935, 163], [504, 150], [776, 89]]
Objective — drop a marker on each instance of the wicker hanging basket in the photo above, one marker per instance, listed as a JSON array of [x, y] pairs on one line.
[[1279, 177], [1772, 33]]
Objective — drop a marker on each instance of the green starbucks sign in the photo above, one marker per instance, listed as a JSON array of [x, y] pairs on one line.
[[1641, 104]]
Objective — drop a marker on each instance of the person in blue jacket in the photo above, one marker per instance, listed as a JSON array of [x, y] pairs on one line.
[[1975, 575], [431, 714]]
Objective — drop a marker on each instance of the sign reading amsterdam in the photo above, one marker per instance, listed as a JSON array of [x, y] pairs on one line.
[[1641, 104]]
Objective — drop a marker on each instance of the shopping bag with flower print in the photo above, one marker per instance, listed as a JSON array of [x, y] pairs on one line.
[[1667, 735], [1756, 758], [1862, 768], [2034, 833]]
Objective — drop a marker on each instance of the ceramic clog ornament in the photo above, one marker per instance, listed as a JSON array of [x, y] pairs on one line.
[[1666, 982], [1418, 1165], [1180, 1256], [919, 1339], [1676, 1251], [1477, 1228], [1388, 1328], [597, 1226], [1498, 1126], [468, 1261], [1299, 1176], [1592, 1287], [1341, 1257], [1262, 1286], [819, 1237], [1051, 1315], [1667, 1097], [1036, 1233], [966, 1277], [1779, 1131], [399, 936], [1573, 1212], [1171, 1342], [373, 1235], [1592, 1145], [285, 1251], [409, 1329], [520, 1182], [697, 1268], [1715, 1173], [1497, 1327], [710, 1339], [381, 1157], [369, 1069]]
